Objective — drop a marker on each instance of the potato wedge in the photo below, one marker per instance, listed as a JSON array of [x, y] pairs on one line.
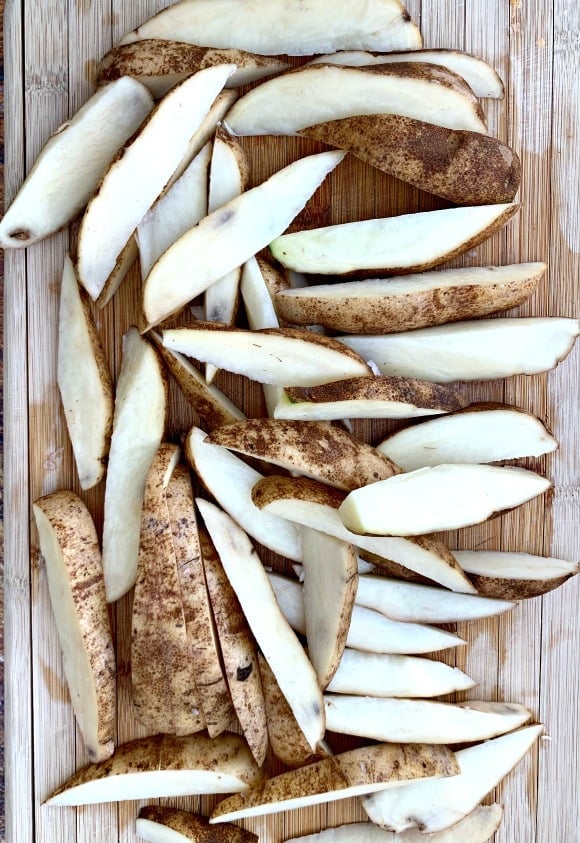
[[364, 770], [163, 765], [70, 547], [160, 824], [381, 306], [514, 576]]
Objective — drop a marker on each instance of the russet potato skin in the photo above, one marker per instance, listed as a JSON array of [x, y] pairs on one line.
[[515, 589], [194, 827]]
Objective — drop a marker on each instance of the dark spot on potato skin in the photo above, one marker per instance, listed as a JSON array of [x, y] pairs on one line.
[[225, 217], [244, 673], [20, 234]]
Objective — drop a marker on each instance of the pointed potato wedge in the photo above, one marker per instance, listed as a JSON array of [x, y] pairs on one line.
[[84, 381], [381, 306], [315, 449], [64, 176], [514, 576], [401, 244], [70, 547], [420, 91], [364, 770], [226, 239], [163, 765], [160, 824], [138, 425], [277, 641]]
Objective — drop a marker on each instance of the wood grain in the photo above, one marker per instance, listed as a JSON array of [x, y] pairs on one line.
[[52, 48]]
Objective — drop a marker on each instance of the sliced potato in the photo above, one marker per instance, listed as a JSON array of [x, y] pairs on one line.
[[160, 824], [70, 547], [514, 576]]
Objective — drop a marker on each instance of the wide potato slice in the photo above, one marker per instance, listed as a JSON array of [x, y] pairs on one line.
[[364, 770], [160, 824], [514, 576], [160, 766], [70, 547]]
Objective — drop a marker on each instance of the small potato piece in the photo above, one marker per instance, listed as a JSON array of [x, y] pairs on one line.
[[514, 576], [160, 824]]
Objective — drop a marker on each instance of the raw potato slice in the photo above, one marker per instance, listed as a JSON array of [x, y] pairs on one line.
[[160, 824], [369, 631], [364, 770], [481, 433], [159, 65], [406, 601], [330, 584], [436, 498], [277, 641], [290, 27], [138, 424], [225, 239], [401, 244], [203, 647], [287, 741], [182, 206], [70, 547], [315, 505], [160, 766], [230, 481], [480, 76], [368, 398], [84, 381], [212, 406], [373, 675], [381, 306], [238, 652], [480, 350], [445, 803], [421, 721], [315, 94], [467, 168], [139, 173], [70, 166], [477, 827], [315, 449], [514, 576]]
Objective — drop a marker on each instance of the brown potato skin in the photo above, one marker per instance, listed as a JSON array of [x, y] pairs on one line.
[[195, 827], [464, 167], [513, 589]]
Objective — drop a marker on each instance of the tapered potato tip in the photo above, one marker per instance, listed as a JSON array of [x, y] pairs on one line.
[[514, 576], [160, 824]]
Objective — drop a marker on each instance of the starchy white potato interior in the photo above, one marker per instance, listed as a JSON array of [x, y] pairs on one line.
[[517, 566], [356, 408], [158, 833]]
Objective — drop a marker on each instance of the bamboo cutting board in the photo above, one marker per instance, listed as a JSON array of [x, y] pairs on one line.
[[529, 656]]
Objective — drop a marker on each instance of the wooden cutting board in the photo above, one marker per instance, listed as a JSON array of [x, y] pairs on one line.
[[529, 656]]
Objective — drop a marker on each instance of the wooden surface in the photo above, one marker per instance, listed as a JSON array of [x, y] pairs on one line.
[[529, 656]]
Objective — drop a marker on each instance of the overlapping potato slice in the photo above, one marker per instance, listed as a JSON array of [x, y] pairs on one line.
[[160, 824], [514, 576]]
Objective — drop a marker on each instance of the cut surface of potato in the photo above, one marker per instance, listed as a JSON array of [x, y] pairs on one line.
[[225, 239], [514, 576], [481, 433], [163, 765], [70, 547], [160, 824], [478, 350], [84, 381], [280, 26], [138, 424], [72, 163], [139, 173], [280, 106], [364, 770], [278, 643], [400, 244], [380, 306]]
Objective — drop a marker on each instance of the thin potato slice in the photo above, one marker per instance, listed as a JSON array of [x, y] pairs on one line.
[[514, 576], [160, 824]]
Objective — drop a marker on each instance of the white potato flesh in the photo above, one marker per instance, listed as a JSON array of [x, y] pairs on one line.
[[517, 566], [73, 161], [421, 721], [474, 436], [138, 425], [137, 177], [369, 631], [158, 833], [479, 75], [386, 675], [282, 360], [278, 643], [407, 601], [231, 235], [184, 204], [436, 805], [355, 408], [316, 94], [479, 350], [436, 498], [230, 480], [392, 244], [270, 27]]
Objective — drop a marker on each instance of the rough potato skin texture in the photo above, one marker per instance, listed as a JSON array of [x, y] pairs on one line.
[[194, 827], [513, 589], [313, 448], [76, 536], [464, 167]]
